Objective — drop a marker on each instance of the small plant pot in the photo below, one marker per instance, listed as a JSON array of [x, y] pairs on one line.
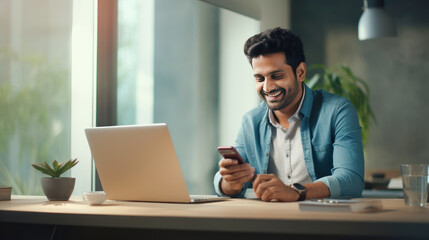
[[58, 189]]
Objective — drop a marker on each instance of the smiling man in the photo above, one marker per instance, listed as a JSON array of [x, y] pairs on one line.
[[300, 144]]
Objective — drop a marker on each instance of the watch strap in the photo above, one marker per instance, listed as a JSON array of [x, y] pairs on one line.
[[302, 195], [301, 190]]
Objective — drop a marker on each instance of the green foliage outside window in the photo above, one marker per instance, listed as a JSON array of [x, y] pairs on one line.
[[34, 118]]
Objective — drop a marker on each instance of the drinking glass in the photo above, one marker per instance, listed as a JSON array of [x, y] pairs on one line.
[[415, 184]]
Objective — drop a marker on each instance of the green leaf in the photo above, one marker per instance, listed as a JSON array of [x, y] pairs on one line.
[[57, 168], [44, 168], [55, 165], [339, 79], [313, 81], [66, 166], [49, 169]]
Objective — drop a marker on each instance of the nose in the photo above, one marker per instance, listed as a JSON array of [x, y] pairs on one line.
[[269, 85]]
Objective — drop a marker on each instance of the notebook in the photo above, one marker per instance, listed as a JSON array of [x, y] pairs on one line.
[[139, 163], [341, 205]]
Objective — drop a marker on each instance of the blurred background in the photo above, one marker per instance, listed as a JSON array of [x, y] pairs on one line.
[[67, 65]]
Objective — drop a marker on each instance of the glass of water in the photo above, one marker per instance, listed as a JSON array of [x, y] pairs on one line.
[[415, 184]]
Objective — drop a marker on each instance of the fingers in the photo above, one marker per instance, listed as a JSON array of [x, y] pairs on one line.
[[237, 184], [234, 174], [263, 182], [244, 174], [227, 162], [271, 188], [262, 178], [269, 194], [231, 167]]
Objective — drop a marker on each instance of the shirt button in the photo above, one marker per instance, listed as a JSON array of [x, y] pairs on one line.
[[266, 154], [288, 176], [287, 155]]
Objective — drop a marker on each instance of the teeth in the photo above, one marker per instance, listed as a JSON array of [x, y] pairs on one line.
[[274, 94]]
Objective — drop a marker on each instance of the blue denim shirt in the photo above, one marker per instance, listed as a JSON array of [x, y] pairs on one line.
[[331, 141]]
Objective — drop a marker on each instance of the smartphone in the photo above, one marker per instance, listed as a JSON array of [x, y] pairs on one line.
[[230, 152]]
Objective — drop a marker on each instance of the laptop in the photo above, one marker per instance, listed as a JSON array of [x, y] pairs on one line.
[[139, 163]]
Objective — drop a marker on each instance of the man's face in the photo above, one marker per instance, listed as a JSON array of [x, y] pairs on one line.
[[276, 83]]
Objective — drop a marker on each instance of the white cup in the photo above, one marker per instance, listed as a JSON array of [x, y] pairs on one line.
[[94, 198]]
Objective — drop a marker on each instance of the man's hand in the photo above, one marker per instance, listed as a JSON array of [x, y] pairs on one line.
[[234, 175], [269, 187]]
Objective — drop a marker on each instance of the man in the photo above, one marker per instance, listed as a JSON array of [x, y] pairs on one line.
[[300, 144]]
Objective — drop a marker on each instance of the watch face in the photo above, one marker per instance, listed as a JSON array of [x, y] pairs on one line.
[[299, 186]]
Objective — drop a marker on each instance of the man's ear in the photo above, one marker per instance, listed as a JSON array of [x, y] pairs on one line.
[[301, 70]]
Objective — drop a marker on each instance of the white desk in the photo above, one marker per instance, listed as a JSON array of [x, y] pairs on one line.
[[238, 216]]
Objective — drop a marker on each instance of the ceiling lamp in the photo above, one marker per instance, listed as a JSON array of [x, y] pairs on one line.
[[375, 21]]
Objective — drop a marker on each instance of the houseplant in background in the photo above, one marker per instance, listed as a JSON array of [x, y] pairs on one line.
[[340, 80], [57, 188]]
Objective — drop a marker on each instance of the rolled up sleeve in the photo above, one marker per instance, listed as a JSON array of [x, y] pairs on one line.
[[347, 179]]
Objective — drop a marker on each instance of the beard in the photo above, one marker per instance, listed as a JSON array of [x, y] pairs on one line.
[[288, 96]]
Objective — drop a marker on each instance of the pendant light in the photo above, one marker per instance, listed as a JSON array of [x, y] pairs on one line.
[[375, 21]]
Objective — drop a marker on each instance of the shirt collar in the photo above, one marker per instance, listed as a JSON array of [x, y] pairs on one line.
[[308, 102]]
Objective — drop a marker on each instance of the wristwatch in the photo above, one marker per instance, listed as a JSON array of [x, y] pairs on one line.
[[301, 190]]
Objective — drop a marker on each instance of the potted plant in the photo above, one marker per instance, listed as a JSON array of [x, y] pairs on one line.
[[340, 80], [55, 187]]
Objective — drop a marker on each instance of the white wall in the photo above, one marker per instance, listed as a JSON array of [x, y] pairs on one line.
[[271, 13], [396, 70], [237, 93], [83, 91], [275, 13]]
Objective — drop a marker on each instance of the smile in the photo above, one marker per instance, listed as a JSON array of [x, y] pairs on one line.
[[273, 95]]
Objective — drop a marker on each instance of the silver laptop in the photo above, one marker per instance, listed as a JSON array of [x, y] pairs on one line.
[[139, 163]]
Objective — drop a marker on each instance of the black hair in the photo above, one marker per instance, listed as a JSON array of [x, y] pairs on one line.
[[273, 41]]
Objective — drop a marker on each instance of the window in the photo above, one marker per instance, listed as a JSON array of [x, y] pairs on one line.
[[135, 65], [181, 62], [38, 90], [174, 62]]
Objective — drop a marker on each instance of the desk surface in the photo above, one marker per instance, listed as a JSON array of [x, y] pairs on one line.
[[238, 215]]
